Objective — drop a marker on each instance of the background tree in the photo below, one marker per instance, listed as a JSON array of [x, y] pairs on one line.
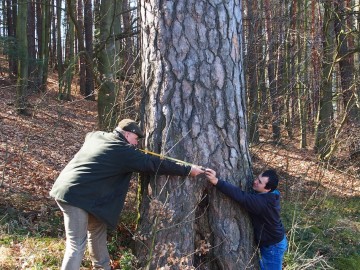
[[70, 51], [45, 42], [59, 49], [32, 46], [21, 36], [272, 66], [11, 14], [82, 57], [88, 32], [108, 91], [252, 36], [194, 96], [325, 116]]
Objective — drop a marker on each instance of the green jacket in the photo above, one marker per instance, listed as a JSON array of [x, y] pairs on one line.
[[97, 178]]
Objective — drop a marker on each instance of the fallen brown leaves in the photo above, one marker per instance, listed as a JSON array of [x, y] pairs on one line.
[[34, 148]]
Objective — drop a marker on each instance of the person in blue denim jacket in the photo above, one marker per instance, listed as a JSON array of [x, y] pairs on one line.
[[264, 210]]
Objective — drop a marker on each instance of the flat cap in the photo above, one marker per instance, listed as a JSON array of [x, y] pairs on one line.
[[131, 126]]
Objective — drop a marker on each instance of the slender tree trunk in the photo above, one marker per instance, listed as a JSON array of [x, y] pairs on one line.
[[252, 70], [301, 85], [69, 57], [88, 29], [31, 47], [82, 58], [289, 67], [129, 91], [21, 36], [271, 69], [53, 50], [316, 54], [108, 92], [193, 109], [44, 46], [59, 48], [346, 63], [3, 18], [11, 32], [325, 116]]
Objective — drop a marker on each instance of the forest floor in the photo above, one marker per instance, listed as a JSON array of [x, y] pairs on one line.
[[321, 206]]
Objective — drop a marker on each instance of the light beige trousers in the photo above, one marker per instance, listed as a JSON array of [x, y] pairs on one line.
[[82, 227]]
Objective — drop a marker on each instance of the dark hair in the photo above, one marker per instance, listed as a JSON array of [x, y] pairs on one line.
[[273, 179]]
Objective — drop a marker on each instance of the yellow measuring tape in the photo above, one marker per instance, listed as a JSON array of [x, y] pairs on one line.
[[169, 158]]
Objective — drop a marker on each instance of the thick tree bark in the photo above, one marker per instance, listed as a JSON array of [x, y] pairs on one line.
[[194, 109]]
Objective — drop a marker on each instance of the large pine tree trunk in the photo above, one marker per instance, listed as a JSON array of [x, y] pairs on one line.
[[194, 110]]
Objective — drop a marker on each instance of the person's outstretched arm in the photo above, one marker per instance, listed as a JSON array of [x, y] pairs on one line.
[[251, 202]]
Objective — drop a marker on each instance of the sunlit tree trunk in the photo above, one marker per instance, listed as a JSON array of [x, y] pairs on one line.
[[129, 92], [325, 115], [346, 63], [70, 48], [271, 40], [31, 47], [21, 36], [194, 109], [316, 55], [82, 58], [44, 49], [88, 32], [289, 69], [108, 91], [301, 74], [252, 64], [59, 54], [52, 53], [11, 11]]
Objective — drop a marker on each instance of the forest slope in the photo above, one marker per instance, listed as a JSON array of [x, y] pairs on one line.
[[34, 149]]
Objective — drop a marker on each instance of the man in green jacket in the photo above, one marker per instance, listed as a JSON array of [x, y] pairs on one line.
[[91, 189]]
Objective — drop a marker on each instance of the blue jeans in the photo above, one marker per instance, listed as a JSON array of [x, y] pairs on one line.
[[272, 256], [81, 227]]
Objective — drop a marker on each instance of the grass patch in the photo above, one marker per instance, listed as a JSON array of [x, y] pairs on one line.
[[324, 233], [351, 262]]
